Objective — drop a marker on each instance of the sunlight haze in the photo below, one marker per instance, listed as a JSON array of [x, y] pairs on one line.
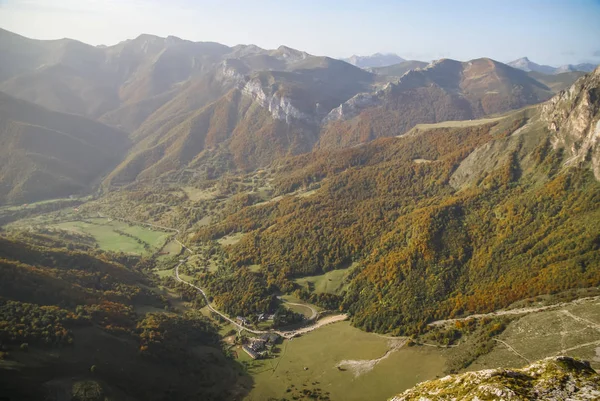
[[550, 32]]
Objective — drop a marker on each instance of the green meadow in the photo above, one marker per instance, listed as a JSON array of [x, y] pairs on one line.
[[331, 282], [103, 231]]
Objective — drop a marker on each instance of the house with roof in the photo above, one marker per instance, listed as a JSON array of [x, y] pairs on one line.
[[253, 354], [267, 340]]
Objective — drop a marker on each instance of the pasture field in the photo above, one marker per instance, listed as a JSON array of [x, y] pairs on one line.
[[300, 306], [311, 362], [230, 239], [108, 239], [350, 364], [331, 282], [573, 331], [254, 268], [196, 194], [458, 123], [165, 273], [170, 249]]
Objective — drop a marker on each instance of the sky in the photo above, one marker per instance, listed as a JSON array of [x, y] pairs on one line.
[[547, 31]]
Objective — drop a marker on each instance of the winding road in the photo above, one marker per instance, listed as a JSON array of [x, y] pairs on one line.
[[286, 334]]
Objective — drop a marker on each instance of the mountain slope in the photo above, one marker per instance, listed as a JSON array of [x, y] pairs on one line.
[[71, 330], [527, 65], [298, 110], [557, 82], [49, 154], [445, 90], [209, 108], [440, 220], [266, 115], [558, 378], [70, 76]]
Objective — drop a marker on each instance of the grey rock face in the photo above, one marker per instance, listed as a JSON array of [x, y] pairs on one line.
[[573, 117]]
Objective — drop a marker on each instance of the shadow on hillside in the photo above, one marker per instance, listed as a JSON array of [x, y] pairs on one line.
[[100, 365]]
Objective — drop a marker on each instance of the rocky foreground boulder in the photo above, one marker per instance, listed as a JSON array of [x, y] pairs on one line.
[[551, 379]]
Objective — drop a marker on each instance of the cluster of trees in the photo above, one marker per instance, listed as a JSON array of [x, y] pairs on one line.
[[42, 272], [323, 299], [285, 317], [34, 324], [162, 205], [240, 293], [164, 335], [53, 297]]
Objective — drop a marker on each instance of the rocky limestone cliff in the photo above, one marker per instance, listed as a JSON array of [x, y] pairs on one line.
[[552, 379], [232, 70], [573, 117], [280, 107], [352, 107]]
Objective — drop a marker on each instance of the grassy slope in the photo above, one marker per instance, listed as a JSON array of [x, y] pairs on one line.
[[331, 282], [549, 333]]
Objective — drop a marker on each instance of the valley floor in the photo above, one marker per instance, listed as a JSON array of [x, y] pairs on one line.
[[353, 365], [335, 361]]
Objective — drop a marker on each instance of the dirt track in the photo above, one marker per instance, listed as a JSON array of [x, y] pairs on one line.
[[519, 311]]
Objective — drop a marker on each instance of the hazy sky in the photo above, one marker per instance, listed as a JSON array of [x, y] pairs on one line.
[[548, 31]]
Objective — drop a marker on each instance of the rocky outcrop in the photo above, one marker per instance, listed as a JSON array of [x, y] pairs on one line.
[[280, 107], [573, 117], [232, 70], [352, 107], [552, 379]]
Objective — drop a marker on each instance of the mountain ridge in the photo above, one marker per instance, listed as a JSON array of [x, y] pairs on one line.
[[527, 65], [157, 88], [49, 154]]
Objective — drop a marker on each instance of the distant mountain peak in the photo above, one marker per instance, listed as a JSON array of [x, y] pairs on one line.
[[147, 36], [374, 60], [525, 64], [288, 52], [584, 67]]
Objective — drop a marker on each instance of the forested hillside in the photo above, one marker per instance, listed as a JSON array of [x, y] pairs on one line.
[[70, 327], [439, 230]]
